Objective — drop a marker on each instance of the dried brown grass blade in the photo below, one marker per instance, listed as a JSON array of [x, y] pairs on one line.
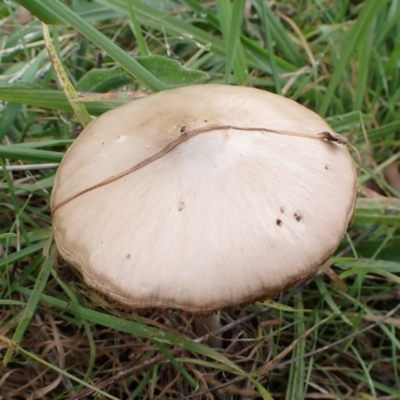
[[338, 283]]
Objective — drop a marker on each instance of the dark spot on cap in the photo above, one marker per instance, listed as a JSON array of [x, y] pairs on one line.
[[128, 256], [281, 209], [205, 120], [278, 222], [326, 167], [181, 206], [183, 129], [297, 217]]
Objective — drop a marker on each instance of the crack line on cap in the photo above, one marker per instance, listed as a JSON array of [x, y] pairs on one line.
[[326, 136]]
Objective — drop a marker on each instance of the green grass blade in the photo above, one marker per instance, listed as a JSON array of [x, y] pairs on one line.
[[353, 39], [56, 100], [385, 388], [192, 382], [372, 270], [365, 369], [261, 389], [142, 384], [31, 306], [20, 255], [280, 34], [7, 235], [268, 42], [327, 296], [204, 13], [41, 11], [16, 152], [295, 387], [364, 57], [144, 51], [234, 52], [15, 203]]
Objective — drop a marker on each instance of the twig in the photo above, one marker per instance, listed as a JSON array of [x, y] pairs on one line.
[[185, 135]]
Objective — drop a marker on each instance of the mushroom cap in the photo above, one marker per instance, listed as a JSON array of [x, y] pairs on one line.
[[225, 218]]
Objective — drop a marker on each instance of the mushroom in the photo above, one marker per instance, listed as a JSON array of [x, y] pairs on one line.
[[202, 198]]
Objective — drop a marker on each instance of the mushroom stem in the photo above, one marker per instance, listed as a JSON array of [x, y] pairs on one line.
[[205, 325]]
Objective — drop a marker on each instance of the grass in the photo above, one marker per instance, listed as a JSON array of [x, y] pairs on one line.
[[327, 339]]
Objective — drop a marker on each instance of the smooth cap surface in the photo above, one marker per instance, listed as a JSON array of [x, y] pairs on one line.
[[224, 218]]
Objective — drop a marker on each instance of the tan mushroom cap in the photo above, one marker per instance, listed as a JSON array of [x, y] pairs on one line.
[[225, 218]]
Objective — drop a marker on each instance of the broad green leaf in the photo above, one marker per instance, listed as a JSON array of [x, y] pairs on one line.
[[170, 72], [102, 80]]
